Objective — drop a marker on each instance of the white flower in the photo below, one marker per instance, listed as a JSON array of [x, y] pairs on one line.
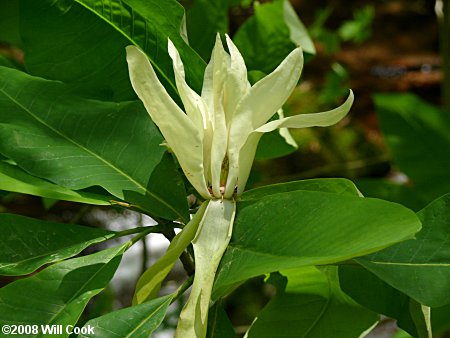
[[215, 139]]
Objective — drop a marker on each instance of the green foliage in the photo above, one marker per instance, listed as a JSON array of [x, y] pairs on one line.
[[419, 267], [311, 305], [72, 129], [320, 228], [58, 294], [136, 321], [33, 243], [412, 126]]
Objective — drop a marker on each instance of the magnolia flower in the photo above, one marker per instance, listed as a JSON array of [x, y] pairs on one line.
[[215, 139]]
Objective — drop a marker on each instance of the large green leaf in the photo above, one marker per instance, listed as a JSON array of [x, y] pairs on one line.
[[378, 296], [31, 243], [136, 321], [301, 228], [417, 135], [204, 20], [420, 268], [58, 294], [312, 305], [13, 178], [83, 42], [266, 38], [77, 143]]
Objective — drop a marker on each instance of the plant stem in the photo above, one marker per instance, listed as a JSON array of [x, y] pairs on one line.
[[187, 283]]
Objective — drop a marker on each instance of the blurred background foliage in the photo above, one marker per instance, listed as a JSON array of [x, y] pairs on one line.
[[395, 143]]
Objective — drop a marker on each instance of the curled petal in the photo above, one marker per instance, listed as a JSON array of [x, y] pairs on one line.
[[323, 119], [177, 128]]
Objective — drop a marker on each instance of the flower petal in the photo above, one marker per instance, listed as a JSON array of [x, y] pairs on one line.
[[215, 78], [261, 102], [323, 119], [237, 85], [247, 152], [194, 105], [177, 128]]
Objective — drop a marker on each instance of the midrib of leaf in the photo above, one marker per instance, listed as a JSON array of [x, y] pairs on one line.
[[80, 290], [322, 312], [142, 322], [2, 266], [109, 164], [411, 264], [129, 38]]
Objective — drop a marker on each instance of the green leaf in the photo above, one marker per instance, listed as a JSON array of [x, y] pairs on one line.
[[219, 325], [378, 296], [419, 267], [136, 321], [78, 143], [58, 294], [417, 135], [204, 20], [13, 178], [83, 42], [313, 306], [30, 243], [302, 228], [267, 37], [339, 186]]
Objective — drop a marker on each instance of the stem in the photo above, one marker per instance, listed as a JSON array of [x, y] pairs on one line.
[[187, 283], [144, 248]]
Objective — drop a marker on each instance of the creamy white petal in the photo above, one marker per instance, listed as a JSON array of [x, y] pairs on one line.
[[323, 119], [177, 128], [261, 102], [193, 104], [247, 152], [237, 85], [220, 65]]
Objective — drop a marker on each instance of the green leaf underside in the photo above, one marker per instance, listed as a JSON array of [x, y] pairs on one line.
[[312, 306], [132, 322], [83, 43], [58, 294], [41, 131], [13, 178], [420, 268], [30, 243], [302, 228]]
